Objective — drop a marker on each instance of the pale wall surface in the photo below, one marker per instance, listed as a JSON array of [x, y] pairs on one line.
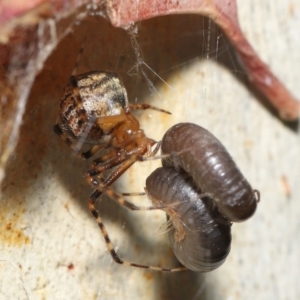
[[51, 247]]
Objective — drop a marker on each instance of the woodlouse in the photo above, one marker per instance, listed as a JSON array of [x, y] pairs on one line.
[[199, 235], [200, 154]]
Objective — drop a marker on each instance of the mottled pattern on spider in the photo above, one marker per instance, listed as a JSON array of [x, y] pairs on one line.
[[95, 111]]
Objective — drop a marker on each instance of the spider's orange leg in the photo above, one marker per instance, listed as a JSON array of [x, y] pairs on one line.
[[147, 106]]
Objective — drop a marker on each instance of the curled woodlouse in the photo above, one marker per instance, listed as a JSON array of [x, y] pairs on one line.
[[199, 235], [200, 154]]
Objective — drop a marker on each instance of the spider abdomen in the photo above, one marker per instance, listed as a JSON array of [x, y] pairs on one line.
[[102, 94]]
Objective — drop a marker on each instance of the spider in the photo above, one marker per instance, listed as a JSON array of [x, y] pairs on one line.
[[95, 111]]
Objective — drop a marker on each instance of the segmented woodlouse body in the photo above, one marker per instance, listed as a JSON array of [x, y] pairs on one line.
[[199, 235], [205, 159]]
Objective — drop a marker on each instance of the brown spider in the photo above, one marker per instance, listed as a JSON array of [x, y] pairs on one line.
[[95, 110]]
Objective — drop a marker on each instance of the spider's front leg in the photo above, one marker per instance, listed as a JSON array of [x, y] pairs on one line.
[[111, 178], [116, 156]]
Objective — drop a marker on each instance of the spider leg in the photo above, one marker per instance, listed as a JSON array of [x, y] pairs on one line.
[[111, 249], [146, 158], [133, 194], [152, 155], [106, 158], [112, 177], [95, 182], [118, 197], [105, 166], [147, 106], [114, 158], [115, 151], [92, 151], [157, 147]]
